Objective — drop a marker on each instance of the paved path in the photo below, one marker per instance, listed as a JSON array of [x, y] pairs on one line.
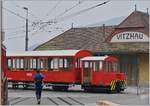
[[74, 97]]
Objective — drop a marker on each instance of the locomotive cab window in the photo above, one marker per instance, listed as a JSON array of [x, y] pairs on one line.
[[98, 66], [111, 66]]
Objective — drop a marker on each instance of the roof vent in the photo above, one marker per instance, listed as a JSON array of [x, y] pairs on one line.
[[71, 25], [135, 7], [147, 10]]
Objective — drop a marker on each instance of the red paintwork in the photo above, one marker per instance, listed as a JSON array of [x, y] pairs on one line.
[[69, 76], [66, 76], [112, 59], [74, 75], [102, 77], [105, 78]]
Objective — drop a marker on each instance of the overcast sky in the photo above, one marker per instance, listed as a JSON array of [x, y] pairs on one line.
[[14, 25]]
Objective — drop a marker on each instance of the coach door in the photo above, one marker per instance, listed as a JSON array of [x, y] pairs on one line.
[[87, 72]]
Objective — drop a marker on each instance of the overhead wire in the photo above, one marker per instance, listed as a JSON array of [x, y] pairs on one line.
[[69, 9], [16, 37], [18, 6], [35, 24], [53, 8], [69, 16], [73, 14], [59, 15], [16, 14], [80, 12], [13, 28]]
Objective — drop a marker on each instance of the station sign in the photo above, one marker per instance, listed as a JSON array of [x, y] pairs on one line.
[[130, 36]]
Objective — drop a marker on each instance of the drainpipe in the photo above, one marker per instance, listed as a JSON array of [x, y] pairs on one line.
[[138, 72]]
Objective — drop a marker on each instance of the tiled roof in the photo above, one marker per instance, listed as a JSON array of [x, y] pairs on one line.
[[137, 18], [78, 38], [94, 38]]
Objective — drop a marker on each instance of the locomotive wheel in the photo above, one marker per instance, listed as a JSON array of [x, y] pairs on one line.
[[118, 87], [25, 85], [86, 90]]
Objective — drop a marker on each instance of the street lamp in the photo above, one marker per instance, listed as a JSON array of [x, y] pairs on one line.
[[26, 37]]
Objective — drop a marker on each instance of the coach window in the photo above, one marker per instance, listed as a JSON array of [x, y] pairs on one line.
[[54, 63], [21, 63], [14, 63], [25, 63], [28, 64], [45, 63], [65, 63], [31, 63], [49, 63], [40, 63], [17, 63], [9, 63], [34, 63], [61, 63], [78, 63]]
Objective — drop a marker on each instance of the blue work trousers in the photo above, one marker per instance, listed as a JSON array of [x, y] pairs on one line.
[[38, 93]]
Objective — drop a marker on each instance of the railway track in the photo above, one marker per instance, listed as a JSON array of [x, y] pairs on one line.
[[46, 101]]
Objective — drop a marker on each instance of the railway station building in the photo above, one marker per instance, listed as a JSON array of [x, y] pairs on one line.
[[129, 40]]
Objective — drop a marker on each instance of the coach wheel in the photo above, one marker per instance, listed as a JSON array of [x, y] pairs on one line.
[[55, 88], [25, 85], [58, 88], [15, 85], [65, 88]]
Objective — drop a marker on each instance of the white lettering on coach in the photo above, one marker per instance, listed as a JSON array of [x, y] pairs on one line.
[[29, 74], [130, 37]]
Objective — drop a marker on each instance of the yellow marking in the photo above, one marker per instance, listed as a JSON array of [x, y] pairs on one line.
[[112, 86]]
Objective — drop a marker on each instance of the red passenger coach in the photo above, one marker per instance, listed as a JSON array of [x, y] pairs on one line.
[[102, 72], [60, 67]]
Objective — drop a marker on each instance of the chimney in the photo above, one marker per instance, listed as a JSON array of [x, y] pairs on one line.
[[103, 29]]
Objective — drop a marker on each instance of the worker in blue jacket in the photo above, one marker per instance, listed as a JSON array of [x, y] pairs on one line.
[[38, 79]]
